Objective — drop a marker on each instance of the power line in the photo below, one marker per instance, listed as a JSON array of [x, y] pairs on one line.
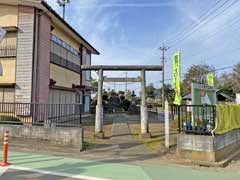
[[231, 50], [224, 27], [202, 25], [170, 79], [222, 52], [219, 30], [223, 68], [194, 22], [200, 20], [215, 4], [222, 47]]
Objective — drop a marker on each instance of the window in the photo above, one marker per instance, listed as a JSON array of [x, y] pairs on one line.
[[64, 51], [7, 95], [76, 52], [54, 38], [61, 97], [68, 47], [59, 41]]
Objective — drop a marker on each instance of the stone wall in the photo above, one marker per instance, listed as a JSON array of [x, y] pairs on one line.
[[208, 148], [58, 136]]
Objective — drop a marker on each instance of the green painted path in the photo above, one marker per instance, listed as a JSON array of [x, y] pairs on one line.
[[117, 171]]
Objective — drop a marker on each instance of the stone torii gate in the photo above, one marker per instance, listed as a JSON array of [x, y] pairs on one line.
[[99, 108]]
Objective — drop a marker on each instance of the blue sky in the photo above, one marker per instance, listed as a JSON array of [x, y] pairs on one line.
[[130, 31]]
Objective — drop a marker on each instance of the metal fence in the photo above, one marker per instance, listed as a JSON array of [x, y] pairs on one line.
[[195, 119], [7, 51], [41, 114]]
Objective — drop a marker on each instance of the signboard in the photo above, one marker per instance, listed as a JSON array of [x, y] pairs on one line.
[[2, 34], [210, 79], [203, 95], [177, 78]]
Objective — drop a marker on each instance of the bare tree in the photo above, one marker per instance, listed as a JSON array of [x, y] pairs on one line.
[[236, 78], [230, 82], [195, 74]]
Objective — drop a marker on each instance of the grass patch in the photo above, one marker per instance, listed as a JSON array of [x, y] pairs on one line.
[[87, 144], [88, 125], [157, 129], [155, 143]]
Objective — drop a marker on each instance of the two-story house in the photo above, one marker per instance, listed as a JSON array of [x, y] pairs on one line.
[[41, 55]]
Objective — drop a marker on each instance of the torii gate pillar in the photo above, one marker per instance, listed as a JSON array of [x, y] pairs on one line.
[[99, 107], [144, 112]]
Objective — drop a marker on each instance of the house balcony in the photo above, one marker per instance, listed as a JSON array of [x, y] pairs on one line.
[[63, 55], [60, 61]]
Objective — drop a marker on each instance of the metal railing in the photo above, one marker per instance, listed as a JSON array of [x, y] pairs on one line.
[[195, 119], [41, 114], [7, 51]]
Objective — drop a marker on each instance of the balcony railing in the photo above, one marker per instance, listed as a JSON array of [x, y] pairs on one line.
[[64, 62], [8, 51]]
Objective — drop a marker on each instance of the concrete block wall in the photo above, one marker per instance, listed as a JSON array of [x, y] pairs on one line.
[[59, 136], [208, 148], [221, 141], [195, 142]]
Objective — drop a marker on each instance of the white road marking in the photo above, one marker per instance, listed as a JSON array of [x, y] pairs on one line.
[[3, 170], [56, 173]]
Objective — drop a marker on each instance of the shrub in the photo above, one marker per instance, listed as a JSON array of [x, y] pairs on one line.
[[126, 104], [5, 119]]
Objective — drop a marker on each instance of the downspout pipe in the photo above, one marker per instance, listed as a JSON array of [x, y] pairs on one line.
[[81, 80], [81, 62]]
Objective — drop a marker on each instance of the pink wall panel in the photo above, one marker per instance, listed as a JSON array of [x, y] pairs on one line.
[[43, 61]]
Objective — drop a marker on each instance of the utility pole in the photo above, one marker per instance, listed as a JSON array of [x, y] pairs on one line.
[[163, 49], [63, 3]]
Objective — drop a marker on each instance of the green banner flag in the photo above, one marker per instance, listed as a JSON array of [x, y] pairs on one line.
[[176, 78], [210, 79]]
